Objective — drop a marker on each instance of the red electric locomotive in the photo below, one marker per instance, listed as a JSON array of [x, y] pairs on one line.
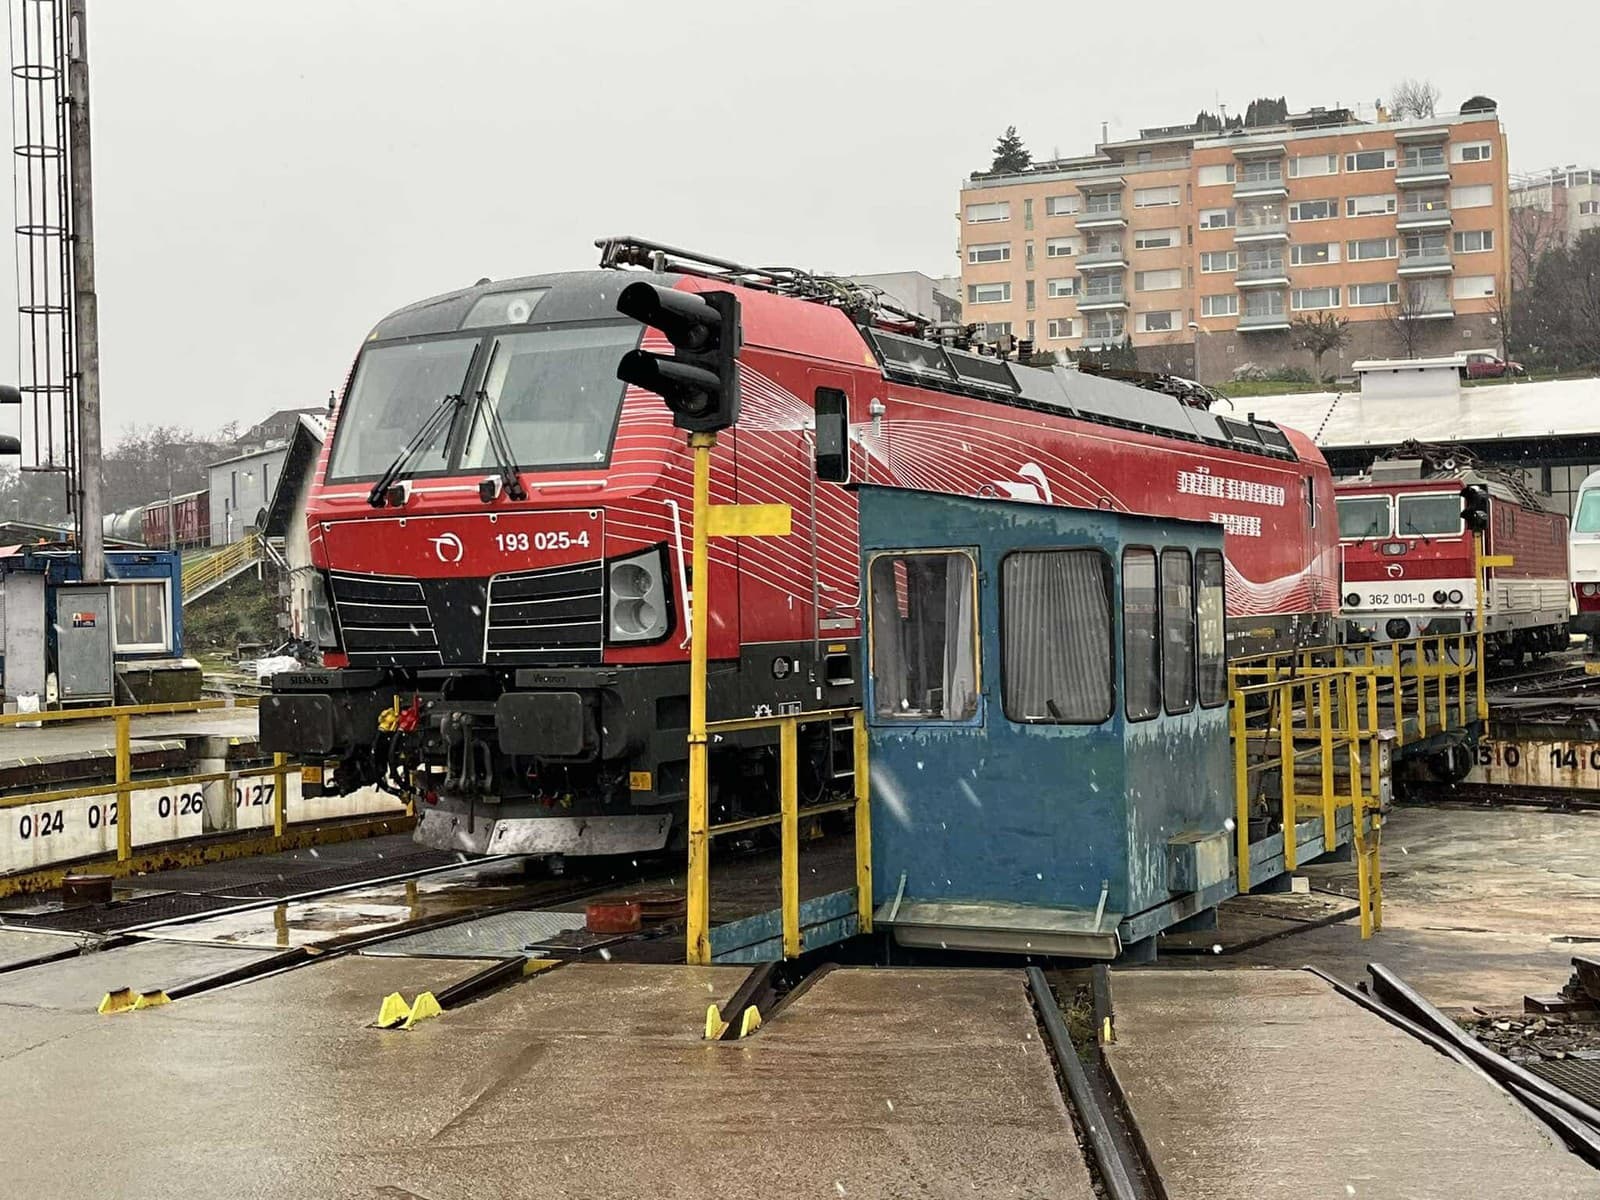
[[501, 530], [1408, 558]]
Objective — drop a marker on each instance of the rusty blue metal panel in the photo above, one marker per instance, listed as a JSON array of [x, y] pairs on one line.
[[1001, 812]]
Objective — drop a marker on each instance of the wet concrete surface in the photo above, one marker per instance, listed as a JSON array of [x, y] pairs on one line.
[[590, 1080], [1479, 905], [18, 947], [78, 984], [56, 741], [1268, 1083]]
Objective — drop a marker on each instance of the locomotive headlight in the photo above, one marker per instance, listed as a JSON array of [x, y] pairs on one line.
[[323, 630], [1353, 600], [638, 600], [1440, 596], [1590, 589], [1455, 596]]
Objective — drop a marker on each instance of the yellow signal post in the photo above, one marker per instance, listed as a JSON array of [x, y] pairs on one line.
[[1481, 574], [719, 520]]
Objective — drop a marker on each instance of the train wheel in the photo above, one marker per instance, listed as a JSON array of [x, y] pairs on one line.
[[1450, 765]]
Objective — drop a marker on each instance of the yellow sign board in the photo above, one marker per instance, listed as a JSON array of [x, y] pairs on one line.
[[749, 520], [638, 781], [1498, 560]]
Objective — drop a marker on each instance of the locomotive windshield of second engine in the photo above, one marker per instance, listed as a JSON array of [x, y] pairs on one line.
[[554, 388], [1434, 514], [1363, 517]]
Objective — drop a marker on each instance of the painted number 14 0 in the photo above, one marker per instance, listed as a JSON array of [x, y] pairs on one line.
[[543, 540]]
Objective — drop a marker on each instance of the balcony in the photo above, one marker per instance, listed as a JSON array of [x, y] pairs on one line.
[[1261, 229], [1424, 214], [1106, 338], [1259, 179], [1260, 150], [1438, 133], [1102, 216], [1417, 169], [1261, 318], [1426, 260], [1102, 299], [1262, 272], [1106, 257]]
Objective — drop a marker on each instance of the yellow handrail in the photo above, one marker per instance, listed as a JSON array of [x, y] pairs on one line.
[[218, 566]]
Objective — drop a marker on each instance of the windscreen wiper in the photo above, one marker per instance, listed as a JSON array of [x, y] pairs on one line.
[[500, 446], [441, 419]]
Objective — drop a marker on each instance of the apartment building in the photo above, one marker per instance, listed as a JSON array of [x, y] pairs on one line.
[[1202, 247], [1547, 209]]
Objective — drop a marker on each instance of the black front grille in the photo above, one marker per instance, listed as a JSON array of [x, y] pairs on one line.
[[551, 617], [555, 616], [385, 621]]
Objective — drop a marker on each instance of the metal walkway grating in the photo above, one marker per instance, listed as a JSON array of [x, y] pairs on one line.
[[1580, 1076], [499, 935]]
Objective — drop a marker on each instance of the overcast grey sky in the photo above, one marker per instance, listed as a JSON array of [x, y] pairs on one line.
[[273, 178]]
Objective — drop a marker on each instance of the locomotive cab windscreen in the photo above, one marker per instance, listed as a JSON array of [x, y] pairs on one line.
[[1364, 517]]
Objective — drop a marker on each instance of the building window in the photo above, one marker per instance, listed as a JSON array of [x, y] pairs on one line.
[[1055, 635], [992, 329], [1216, 173], [1058, 328], [1226, 305], [1423, 245], [1313, 210], [1027, 214], [1216, 218], [1155, 197], [1473, 287], [1363, 295], [924, 636], [1028, 289], [988, 293], [1369, 248], [1062, 206], [1060, 247], [1157, 322], [1141, 645], [1310, 298], [1177, 631], [1155, 239], [1370, 160], [1104, 327], [139, 616], [1472, 241], [1308, 165], [1264, 304], [1055, 289], [997, 210], [1027, 255], [1214, 261], [1478, 195], [1157, 281], [1211, 644], [1471, 152], [1314, 254], [1588, 208], [1368, 206], [1030, 330], [989, 252]]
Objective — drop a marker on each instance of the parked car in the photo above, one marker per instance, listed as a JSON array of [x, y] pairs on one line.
[[1485, 364]]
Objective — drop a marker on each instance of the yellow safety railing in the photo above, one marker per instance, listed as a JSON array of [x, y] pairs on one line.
[[787, 818], [217, 567], [124, 784]]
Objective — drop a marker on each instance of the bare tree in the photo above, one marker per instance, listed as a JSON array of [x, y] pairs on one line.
[[1320, 333], [1534, 230], [1407, 315], [1417, 98]]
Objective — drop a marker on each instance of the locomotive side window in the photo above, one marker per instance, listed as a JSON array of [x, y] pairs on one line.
[[1434, 515], [924, 636], [832, 435], [1055, 635], [1141, 643], [1177, 630], [1212, 629]]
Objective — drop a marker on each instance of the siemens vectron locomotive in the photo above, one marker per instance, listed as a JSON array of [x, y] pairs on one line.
[[501, 531]]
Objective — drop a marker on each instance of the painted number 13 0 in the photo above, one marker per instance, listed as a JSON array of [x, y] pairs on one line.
[[544, 540]]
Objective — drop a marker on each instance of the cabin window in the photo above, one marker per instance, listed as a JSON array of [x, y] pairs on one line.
[[924, 636], [1141, 647], [1177, 630], [1212, 629], [1363, 517], [1055, 634], [1430, 515], [139, 616]]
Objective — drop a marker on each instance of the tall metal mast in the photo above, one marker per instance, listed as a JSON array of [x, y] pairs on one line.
[[84, 304]]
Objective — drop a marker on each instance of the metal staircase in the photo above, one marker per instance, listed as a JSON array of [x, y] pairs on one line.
[[219, 567]]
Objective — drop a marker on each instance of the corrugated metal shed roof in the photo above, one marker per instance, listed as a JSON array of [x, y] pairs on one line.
[[1557, 408]]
